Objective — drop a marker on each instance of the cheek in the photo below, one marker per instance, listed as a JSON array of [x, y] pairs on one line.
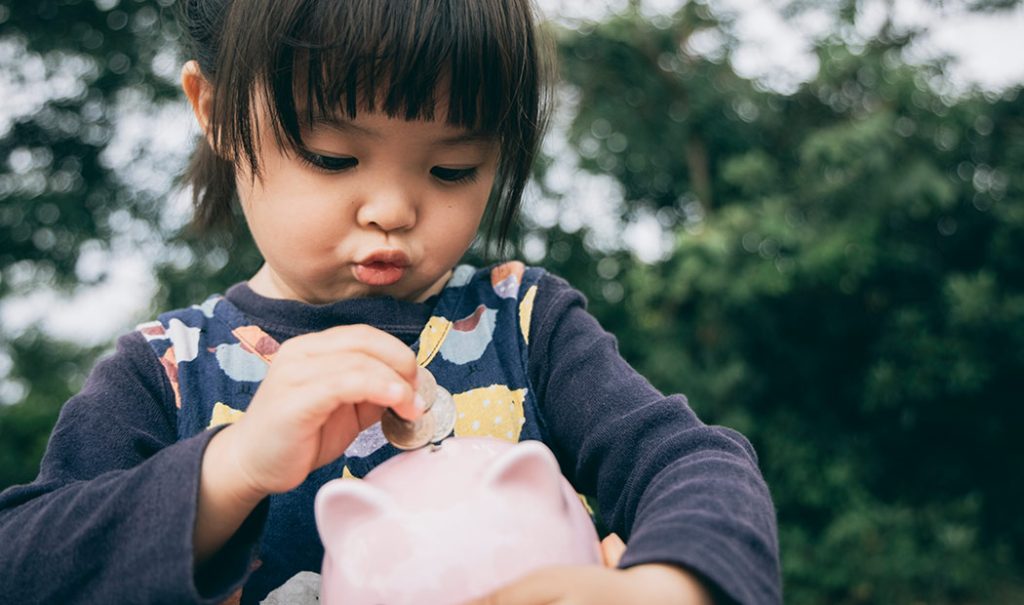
[[278, 193], [287, 223], [454, 232], [457, 224], [297, 233]]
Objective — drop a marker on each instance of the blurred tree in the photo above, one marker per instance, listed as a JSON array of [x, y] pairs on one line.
[[66, 67], [74, 68], [846, 288], [76, 64]]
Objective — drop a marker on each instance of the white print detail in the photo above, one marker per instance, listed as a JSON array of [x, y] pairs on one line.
[[461, 347], [302, 589], [185, 340], [367, 442], [508, 287], [461, 276], [240, 364], [208, 305]]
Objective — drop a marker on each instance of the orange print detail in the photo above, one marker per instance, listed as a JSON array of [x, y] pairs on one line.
[[501, 272], [170, 364], [153, 330], [257, 342]]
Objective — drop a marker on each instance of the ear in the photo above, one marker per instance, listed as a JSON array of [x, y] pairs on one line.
[[531, 467], [344, 503], [200, 95]]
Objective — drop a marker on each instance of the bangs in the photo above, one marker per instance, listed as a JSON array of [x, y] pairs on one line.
[[479, 61], [396, 59], [313, 58]]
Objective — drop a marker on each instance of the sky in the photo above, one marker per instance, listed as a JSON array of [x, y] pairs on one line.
[[987, 47], [986, 50]]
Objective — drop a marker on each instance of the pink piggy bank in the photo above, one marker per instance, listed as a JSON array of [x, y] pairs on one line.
[[449, 525]]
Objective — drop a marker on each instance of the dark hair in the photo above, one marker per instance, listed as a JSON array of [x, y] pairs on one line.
[[314, 57]]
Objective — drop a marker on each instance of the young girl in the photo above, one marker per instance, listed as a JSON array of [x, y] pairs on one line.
[[365, 143]]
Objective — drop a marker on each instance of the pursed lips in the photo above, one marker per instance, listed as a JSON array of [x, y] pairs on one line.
[[381, 267]]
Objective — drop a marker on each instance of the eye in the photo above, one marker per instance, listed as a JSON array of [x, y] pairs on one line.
[[454, 175], [326, 163]]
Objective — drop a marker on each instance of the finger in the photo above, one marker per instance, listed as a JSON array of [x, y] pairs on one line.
[[338, 433], [342, 377], [341, 429], [360, 379], [366, 339], [367, 415], [612, 549]]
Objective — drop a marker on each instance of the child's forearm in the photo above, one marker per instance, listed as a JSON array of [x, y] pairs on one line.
[[672, 583], [224, 500], [708, 507]]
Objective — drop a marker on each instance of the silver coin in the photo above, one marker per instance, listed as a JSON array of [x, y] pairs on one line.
[[426, 385], [412, 434], [433, 426], [443, 412]]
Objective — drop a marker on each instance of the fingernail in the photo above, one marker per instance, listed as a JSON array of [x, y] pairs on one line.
[[420, 403]]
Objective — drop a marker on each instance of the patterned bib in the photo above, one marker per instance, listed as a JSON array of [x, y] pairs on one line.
[[475, 345]]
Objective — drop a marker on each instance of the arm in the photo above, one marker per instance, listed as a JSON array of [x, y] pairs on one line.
[[679, 491], [110, 517]]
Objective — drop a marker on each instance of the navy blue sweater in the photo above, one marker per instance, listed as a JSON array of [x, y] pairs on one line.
[[110, 517]]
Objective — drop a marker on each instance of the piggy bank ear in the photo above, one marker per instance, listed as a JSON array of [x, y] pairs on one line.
[[531, 467], [343, 503]]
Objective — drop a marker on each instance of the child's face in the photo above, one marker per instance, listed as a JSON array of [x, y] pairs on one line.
[[408, 194]]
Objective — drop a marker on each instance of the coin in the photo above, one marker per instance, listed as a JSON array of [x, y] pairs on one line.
[[407, 434], [426, 385], [433, 426], [443, 412]]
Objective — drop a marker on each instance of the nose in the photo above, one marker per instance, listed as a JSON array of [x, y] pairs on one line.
[[388, 209]]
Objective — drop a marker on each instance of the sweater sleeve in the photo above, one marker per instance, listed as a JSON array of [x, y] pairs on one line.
[[677, 490], [109, 519]]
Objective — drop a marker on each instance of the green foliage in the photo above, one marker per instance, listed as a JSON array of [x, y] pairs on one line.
[[849, 298], [58, 191]]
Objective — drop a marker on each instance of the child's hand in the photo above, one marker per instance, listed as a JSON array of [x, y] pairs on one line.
[[651, 584], [321, 390]]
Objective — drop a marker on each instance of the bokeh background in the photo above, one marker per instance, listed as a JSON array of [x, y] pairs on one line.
[[807, 216]]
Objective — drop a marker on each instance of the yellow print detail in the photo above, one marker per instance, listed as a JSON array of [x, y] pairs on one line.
[[431, 338], [224, 414], [586, 504], [494, 411], [526, 311]]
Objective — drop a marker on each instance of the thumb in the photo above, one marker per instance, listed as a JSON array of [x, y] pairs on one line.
[[612, 549]]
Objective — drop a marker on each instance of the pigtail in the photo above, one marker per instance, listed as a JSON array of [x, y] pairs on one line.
[[210, 176], [213, 188]]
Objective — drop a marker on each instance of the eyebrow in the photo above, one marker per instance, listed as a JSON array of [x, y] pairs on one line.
[[469, 137]]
